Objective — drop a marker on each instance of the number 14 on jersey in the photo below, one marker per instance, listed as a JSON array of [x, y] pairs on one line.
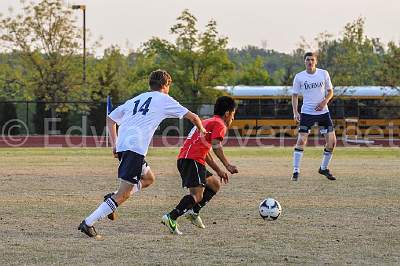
[[144, 108]]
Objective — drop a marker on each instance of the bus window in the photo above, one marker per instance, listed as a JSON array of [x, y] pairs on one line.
[[267, 107], [247, 108], [336, 108], [350, 107], [283, 108], [369, 107], [389, 109]]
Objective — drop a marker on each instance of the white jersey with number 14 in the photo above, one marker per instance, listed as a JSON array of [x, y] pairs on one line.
[[139, 117]]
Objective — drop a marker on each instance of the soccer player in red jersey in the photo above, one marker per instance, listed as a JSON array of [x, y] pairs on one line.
[[192, 160]]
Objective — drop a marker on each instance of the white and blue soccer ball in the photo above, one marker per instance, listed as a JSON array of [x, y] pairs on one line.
[[270, 209]]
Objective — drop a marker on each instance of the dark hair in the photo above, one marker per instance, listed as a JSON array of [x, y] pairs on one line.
[[310, 54], [159, 78], [223, 104]]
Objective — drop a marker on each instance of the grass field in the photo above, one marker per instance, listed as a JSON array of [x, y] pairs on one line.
[[45, 193]]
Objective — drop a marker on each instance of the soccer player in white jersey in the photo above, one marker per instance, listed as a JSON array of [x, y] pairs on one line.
[[138, 118], [316, 87]]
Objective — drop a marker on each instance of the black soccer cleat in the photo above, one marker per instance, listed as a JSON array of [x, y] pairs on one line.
[[326, 173], [112, 216], [295, 176], [88, 230]]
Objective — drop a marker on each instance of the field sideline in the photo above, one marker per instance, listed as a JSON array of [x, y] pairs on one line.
[[46, 192]]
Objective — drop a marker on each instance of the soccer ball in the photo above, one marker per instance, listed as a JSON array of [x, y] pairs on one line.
[[270, 209]]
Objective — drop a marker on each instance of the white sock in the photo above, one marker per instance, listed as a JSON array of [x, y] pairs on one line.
[[105, 208], [326, 159], [297, 155]]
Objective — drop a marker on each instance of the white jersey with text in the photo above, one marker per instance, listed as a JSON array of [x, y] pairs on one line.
[[313, 87], [139, 117]]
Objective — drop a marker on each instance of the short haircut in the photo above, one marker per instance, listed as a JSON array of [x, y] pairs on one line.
[[158, 78], [223, 104], [310, 54]]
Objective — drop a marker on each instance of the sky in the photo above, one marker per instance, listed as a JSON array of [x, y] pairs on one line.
[[271, 24]]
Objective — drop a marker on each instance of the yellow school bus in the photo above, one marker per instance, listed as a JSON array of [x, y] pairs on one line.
[[368, 111]]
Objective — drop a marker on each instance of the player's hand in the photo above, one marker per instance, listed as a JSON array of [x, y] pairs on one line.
[[224, 176], [296, 117], [203, 131], [114, 151], [321, 105], [232, 169]]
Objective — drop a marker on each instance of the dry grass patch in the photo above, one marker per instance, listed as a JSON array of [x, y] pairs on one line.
[[45, 193]]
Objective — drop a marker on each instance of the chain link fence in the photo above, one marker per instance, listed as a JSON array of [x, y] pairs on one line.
[[89, 118], [81, 118]]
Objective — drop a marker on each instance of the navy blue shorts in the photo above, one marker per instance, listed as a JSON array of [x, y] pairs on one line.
[[324, 121], [193, 173], [130, 166]]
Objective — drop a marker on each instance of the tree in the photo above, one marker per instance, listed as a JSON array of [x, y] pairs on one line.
[[46, 40], [140, 67], [197, 61], [12, 83], [108, 75], [253, 73], [389, 72], [279, 66], [353, 59]]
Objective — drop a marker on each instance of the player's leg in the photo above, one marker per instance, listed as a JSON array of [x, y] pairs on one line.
[[306, 122], [111, 204], [147, 178], [193, 177], [213, 185], [186, 203], [330, 139], [105, 208], [298, 154], [129, 171], [330, 144], [123, 193]]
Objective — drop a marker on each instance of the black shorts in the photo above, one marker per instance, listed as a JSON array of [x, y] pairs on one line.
[[131, 165], [324, 121], [193, 173]]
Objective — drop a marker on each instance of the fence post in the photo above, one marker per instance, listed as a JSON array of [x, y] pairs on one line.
[[27, 115]]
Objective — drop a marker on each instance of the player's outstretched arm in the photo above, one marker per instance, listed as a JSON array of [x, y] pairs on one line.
[[112, 130], [222, 174], [217, 148], [196, 121]]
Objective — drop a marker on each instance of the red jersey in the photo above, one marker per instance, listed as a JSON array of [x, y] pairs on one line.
[[196, 147]]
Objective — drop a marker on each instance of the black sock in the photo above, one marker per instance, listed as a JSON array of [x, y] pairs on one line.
[[207, 196], [185, 204]]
